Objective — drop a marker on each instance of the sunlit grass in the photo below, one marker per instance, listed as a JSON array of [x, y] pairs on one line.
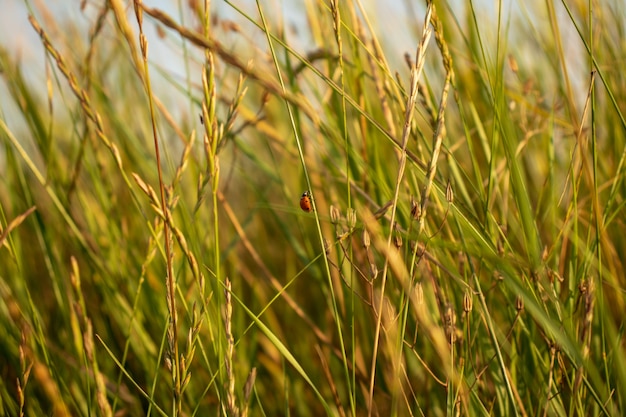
[[465, 252]]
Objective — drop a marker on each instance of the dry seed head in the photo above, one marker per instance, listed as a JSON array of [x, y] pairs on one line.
[[116, 154], [449, 316], [366, 239], [228, 367], [397, 238], [143, 42], [449, 193], [450, 323], [20, 394], [88, 340], [194, 313], [558, 277], [190, 335], [138, 12], [334, 214], [534, 276], [373, 271], [351, 217], [227, 289], [416, 210], [75, 274], [21, 351], [247, 389], [419, 294], [468, 302], [408, 60], [183, 364], [519, 303], [186, 381]]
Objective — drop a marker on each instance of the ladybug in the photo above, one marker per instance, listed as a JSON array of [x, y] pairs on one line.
[[305, 202]]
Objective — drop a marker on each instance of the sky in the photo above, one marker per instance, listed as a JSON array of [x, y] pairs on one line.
[[397, 24], [21, 41]]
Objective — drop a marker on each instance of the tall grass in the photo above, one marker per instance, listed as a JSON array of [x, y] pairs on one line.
[[465, 251]]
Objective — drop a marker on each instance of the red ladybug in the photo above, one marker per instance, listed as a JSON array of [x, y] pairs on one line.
[[305, 202]]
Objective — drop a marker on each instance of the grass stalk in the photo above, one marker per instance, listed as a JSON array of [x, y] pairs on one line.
[[463, 252]]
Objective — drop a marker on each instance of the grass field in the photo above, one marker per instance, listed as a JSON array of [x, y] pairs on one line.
[[463, 255]]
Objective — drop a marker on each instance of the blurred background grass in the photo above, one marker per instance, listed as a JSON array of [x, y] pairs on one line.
[[464, 257]]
